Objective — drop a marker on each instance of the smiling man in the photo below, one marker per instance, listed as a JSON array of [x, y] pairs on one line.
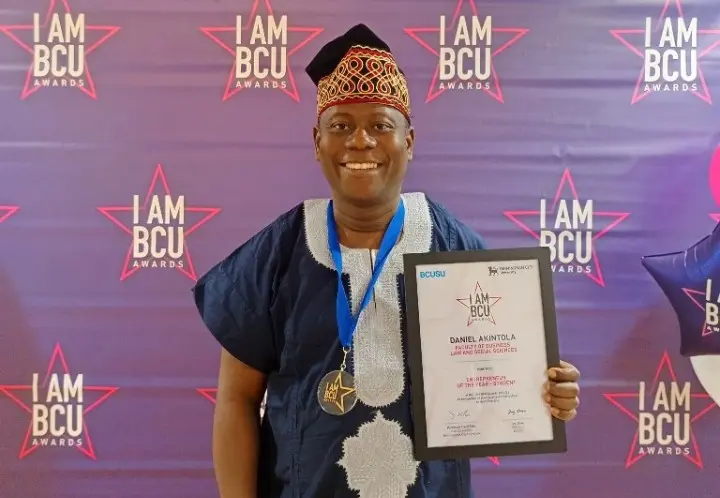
[[311, 310]]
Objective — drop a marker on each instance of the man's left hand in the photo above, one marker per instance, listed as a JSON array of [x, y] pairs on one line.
[[562, 392]]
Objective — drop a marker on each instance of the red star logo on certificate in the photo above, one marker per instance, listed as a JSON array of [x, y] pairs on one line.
[[57, 382], [663, 416], [634, 40], [479, 302], [62, 24], [7, 211], [505, 37], [698, 298], [595, 274], [159, 192], [227, 38]]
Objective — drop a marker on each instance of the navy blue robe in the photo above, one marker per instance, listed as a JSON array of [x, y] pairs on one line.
[[271, 304]]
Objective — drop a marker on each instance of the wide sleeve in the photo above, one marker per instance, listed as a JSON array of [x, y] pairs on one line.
[[466, 239], [451, 234], [233, 300]]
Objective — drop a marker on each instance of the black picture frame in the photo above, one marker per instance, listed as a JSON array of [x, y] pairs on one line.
[[414, 349]]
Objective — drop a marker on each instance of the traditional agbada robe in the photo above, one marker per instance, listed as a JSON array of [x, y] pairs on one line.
[[272, 305]]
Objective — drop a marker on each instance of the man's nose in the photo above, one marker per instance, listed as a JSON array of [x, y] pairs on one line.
[[360, 140]]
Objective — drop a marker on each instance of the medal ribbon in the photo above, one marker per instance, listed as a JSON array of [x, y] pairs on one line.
[[343, 308]]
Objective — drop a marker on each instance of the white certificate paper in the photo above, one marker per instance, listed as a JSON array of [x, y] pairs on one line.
[[484, 361]]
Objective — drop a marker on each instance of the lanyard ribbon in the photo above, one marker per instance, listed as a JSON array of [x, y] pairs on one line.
[[343, 309]]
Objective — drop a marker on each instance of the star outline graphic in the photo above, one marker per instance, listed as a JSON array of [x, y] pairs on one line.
[[158, 175], [28, 87], [478, 290], [230, 90], [210, 394], [7, 211], [613, 398], [596, 275], [495, 90], [638, 93], [87, 448], [692, 294]]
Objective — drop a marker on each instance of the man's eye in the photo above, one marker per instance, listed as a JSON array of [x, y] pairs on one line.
[[339, 126], [383, 127]]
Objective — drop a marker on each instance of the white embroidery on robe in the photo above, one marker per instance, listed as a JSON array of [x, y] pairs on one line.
[[378, 461], [378, 360]]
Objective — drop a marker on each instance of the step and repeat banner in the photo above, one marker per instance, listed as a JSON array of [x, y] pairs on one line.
[[141, 142]]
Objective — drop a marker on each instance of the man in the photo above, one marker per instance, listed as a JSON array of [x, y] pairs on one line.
[[285, 326]]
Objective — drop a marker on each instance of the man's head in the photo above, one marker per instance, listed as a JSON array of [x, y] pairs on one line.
[[363, 138]]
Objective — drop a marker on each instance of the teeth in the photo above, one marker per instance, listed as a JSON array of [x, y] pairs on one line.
[[361, 165]]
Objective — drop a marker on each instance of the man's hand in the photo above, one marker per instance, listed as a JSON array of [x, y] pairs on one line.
[[562, 392]]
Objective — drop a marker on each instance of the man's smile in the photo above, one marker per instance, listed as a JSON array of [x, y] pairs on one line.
[[360, 166]]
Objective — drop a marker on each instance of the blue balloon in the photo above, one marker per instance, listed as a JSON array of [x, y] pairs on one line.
[[691, 281]]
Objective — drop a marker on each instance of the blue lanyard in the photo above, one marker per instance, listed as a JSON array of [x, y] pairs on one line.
[[345, 320]]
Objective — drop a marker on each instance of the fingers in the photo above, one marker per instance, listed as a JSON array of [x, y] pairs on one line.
[[564, 415], [565, 373], [563, 399], [562, 403], [563, 389]]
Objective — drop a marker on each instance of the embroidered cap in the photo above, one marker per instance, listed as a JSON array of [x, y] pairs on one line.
[[358, 67]]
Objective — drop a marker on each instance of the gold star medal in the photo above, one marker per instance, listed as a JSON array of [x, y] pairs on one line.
[[336, 392]]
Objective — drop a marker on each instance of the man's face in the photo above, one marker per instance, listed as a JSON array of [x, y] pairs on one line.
[[363, 150]]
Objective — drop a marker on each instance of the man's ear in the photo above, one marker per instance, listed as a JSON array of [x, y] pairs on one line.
[[410, 142], [316, 141]]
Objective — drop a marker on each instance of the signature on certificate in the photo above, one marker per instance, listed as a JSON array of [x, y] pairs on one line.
[[458, 415], [517, 411]]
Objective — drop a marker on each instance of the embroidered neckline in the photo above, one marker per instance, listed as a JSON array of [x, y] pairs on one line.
[[416, 235], [378, 362]]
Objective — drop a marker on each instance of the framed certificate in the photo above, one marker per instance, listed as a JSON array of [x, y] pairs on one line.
[[482, 334]]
